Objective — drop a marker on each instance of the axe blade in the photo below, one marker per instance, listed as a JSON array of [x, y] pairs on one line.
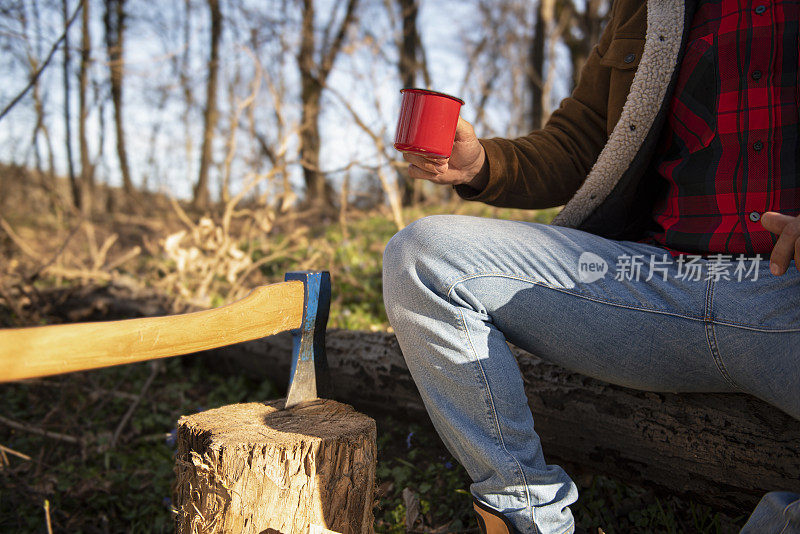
[[309, 377]]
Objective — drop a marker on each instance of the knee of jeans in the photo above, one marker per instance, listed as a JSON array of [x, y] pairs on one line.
[[407, 259]]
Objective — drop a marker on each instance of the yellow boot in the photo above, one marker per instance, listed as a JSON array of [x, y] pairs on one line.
[[491, 521]]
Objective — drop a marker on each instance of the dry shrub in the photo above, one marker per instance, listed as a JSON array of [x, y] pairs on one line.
[[204, 256]]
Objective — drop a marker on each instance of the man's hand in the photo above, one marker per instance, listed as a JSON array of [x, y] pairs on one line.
[[787, 228], [460, 168]]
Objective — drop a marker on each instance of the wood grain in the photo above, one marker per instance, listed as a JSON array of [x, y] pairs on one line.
[[47, 350], [258, 468]]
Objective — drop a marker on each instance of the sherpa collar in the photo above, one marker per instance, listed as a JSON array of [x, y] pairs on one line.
[[665, 27]]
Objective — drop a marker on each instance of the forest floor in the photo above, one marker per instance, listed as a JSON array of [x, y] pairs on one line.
[[99, 471], [93, 452]]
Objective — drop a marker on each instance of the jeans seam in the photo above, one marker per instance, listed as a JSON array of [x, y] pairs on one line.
[[711, 337], [494, 413], [572, 293], [734, 324], [786, 509]]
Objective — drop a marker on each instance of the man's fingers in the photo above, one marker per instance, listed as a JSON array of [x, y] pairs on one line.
[[785, 248], [421, 174], [432, 165], [775, 222], [464, 130]]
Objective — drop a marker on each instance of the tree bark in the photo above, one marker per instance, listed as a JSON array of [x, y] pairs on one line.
[[317, 190], [253, 468], [87, 169], [115, 34], [725, 450], [210, 114], [310, 95]]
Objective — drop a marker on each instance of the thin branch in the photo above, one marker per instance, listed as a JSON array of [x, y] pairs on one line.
[[330, 55], [23, 246], [44, 65], [47, 516], [125, 418], [40, 431], [35, 276], [14, 453]]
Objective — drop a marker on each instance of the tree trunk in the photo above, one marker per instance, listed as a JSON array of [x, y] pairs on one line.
[[545, 15], [87, 169], [409, 66], [201, 195], [536, 78], [317, 189], [186, 88], [47, 180], [313, 75], [311, 96], [252, 468], [115, 31], [725, 450], [73, 181]]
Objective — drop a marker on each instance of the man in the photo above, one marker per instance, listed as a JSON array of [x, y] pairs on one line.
[[679, 145]]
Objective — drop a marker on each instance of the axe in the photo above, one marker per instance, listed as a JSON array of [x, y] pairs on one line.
[[300, 304]]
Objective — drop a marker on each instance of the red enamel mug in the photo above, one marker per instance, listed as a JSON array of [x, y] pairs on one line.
[[427, 123]]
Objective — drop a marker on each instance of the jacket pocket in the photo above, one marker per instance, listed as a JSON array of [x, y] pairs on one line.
[[622, 57], [623, 53]]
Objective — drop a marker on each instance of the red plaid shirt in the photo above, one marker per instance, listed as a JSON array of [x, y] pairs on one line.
[[729, 150]]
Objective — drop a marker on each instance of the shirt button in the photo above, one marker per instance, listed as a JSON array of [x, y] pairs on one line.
[[756, 75], [629, 58], [758, 145], [755, 216], [760, 10]]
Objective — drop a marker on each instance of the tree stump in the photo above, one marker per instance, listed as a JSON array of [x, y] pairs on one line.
[[256, 467]]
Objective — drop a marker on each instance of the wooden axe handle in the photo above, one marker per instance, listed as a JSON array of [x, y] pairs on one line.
[[48, 350]]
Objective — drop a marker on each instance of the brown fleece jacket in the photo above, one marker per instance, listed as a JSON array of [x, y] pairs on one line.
[[593, 153]]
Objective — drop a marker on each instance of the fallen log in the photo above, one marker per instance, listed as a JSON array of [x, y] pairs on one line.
[[725, 450]]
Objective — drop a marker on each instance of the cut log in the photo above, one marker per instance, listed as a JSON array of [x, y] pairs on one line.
[[725, 450], [256, 467]]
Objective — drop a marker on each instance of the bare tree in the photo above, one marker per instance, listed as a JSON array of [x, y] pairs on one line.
[[584, 31], [87, 168], [114, 22], [412, 65], [33, 51], [313, 76], [498, 56], [73, 181], [210, 114], [545, 14]]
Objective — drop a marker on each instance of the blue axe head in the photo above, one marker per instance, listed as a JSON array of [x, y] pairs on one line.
[[309, 377]]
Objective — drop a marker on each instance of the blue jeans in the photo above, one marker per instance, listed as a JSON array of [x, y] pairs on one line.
[[457, 288]]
